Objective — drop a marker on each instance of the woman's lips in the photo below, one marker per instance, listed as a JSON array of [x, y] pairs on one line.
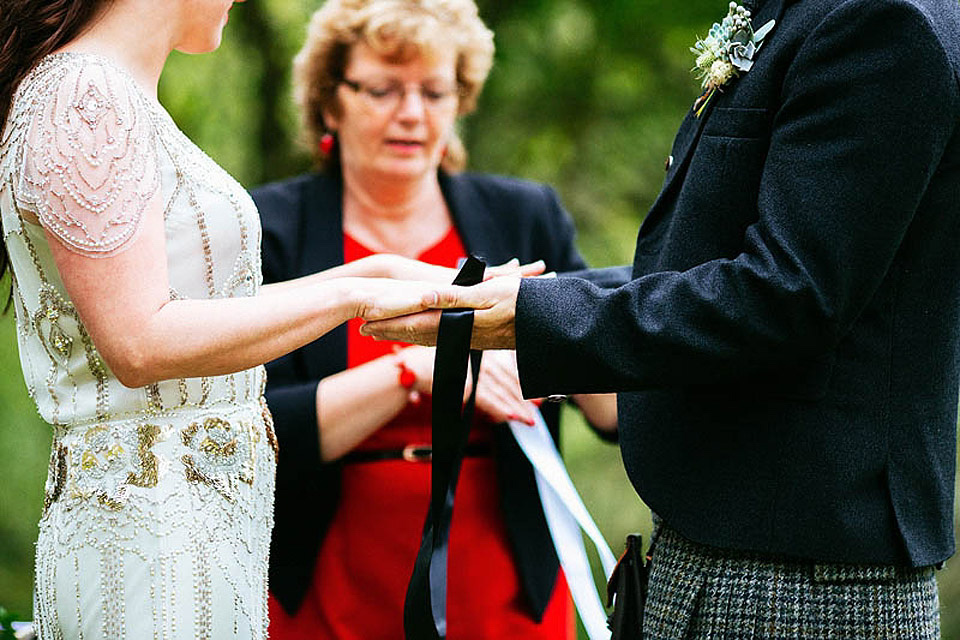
[[405, 145]]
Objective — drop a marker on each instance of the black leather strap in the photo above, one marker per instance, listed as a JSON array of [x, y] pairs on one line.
[[425, 606]]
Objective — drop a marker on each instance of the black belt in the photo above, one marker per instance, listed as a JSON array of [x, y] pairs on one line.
[[414, 453]]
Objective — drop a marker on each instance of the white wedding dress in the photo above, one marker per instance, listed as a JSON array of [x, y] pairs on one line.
[[159, 500]]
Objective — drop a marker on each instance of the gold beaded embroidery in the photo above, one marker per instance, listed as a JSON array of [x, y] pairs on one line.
[[57, 476], [149, 467], [54, 322], [111, 459], [154, 399], [222, 453], [268, 428]]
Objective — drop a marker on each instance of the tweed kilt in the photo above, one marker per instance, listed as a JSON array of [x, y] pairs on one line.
[[702, 593]]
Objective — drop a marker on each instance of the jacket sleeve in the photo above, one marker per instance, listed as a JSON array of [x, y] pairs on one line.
[[867, 108], [306, 490], [563, 257], [605, 278]]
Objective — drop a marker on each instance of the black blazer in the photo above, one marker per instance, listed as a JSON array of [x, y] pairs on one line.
[[785, 342], [498, 219]]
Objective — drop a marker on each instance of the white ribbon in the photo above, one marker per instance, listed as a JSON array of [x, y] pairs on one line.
[[566, 515]]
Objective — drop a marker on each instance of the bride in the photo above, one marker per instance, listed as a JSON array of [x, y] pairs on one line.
[[142, 325]]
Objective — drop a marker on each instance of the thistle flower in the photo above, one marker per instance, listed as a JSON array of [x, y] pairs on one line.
[[728, 50], [720, 72]]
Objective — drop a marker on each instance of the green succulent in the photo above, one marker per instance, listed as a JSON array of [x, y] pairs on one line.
[[727, 51]]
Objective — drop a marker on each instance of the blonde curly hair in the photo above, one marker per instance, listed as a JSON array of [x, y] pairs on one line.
[[399, 30]]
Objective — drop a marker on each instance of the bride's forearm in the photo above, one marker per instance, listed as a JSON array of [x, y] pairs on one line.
[[375, 266], [123, 301], [192, 338]]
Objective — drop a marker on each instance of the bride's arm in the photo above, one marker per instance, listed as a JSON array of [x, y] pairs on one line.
[[379, 265], [385, 265], [143, 336]]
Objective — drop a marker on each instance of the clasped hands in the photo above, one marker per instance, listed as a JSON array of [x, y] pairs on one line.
[[494, 299]]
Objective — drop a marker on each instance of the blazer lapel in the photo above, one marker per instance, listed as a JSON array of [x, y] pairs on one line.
[[322, 215], [523, 514], [472, 219], [692, 126]]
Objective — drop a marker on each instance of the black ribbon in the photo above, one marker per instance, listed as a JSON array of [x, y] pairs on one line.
[[425, 606]]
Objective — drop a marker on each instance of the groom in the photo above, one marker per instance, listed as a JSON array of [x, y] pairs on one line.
[[785, 342]]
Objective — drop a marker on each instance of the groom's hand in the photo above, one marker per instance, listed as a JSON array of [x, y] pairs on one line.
[[493, 326]]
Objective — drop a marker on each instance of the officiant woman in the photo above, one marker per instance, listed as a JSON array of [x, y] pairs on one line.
[[380, 85]]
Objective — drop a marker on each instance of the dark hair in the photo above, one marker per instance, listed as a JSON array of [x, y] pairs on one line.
[[30, 30]]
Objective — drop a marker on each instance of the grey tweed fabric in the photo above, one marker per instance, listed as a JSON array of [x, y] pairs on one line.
[[702, 593]]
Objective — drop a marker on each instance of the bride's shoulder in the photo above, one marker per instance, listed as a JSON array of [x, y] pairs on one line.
[[89, 161], [82, 94], [66, 63], [82, 82]]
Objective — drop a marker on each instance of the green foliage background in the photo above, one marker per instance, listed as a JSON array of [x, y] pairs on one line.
[[585, 95]]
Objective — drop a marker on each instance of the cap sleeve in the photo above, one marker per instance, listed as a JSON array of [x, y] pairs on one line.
[[90, 164]]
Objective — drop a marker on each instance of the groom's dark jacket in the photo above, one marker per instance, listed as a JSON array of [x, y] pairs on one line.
[[785, 343]]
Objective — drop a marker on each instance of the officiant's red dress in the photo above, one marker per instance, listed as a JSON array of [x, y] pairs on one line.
[[367, 556]]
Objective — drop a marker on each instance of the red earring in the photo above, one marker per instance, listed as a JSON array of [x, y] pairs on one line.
[[326, 143]]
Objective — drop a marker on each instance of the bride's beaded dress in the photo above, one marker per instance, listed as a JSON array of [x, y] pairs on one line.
[[159, 500]]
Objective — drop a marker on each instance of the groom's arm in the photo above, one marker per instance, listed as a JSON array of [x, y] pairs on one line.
[[867, 111], [605, 278]]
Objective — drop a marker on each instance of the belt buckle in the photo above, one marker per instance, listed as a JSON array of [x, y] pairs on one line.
[[418, 453]]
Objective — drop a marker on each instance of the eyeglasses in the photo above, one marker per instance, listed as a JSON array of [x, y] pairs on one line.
[[387, 95]]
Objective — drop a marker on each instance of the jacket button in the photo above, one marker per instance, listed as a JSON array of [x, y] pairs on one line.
[[668, 163]]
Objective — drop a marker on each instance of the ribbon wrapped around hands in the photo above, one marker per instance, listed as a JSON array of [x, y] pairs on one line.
[[425, 606], [424, 610]]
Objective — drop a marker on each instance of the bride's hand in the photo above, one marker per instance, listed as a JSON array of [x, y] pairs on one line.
[[402, 268], [383, 298]]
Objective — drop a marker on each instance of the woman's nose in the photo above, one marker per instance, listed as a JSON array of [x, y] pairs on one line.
[[411, 105]]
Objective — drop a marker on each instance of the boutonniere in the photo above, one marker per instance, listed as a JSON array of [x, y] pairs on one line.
[[726, 52]]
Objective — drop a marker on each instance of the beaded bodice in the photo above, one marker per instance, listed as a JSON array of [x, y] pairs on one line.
[[82, 151]]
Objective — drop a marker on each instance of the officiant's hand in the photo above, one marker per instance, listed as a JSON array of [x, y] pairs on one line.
[[493, 327], [498, 394], [398, 267], [513, 268]]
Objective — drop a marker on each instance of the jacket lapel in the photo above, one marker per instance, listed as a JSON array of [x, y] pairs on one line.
[[471, 217], [322, 215], [523, 514], [692, 126]]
